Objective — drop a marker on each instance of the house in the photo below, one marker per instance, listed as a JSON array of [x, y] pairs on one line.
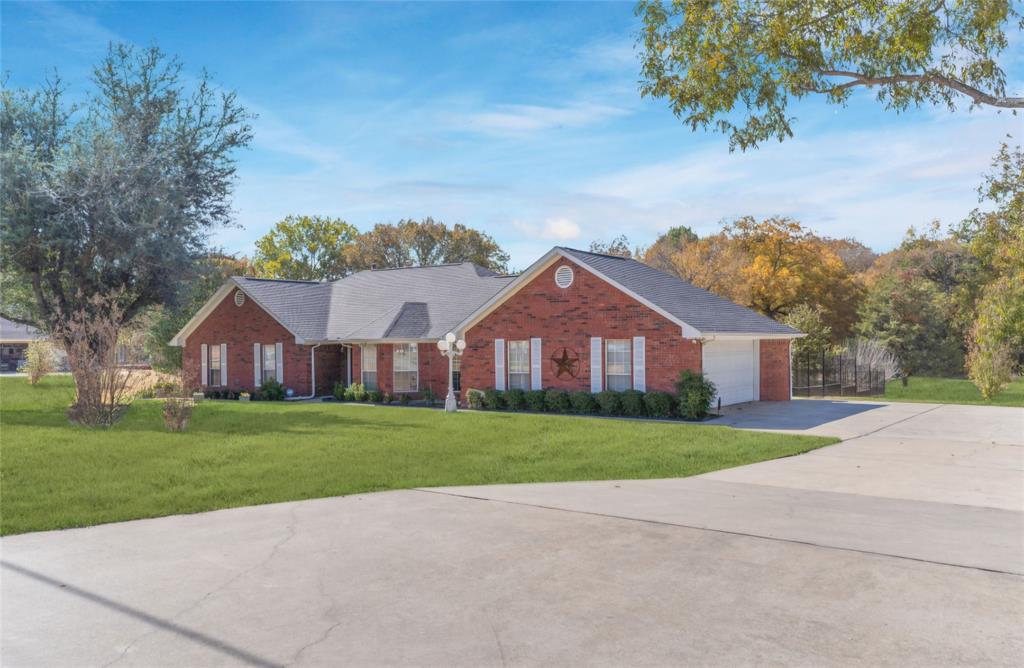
[[573, 320], [14, 340]]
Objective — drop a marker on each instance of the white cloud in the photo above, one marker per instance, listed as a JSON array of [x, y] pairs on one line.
[[517, 119], [551, 229]]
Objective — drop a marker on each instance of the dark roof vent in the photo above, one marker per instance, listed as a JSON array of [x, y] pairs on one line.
[[373, 266]]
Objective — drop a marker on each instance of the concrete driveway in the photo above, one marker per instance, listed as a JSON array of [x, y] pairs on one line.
[[902, 545]]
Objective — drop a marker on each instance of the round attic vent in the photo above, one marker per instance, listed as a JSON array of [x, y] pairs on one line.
[[563, 276], [239, 297]]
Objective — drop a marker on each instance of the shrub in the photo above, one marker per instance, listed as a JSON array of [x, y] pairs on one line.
[[428, 396], [988, 367], [271, 390], [536, 400], [375, 396], [355, 392], [404, 398], [39, 361], [177, 413], [389, 398], [475, 399], [494, 399], [557, 401], [695, 394], [659, 404], [633, 403], [515, 399], [609, 402], [583, 403], [339, 391]]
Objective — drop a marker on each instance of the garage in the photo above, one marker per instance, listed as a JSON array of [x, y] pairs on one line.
[[731, 364]]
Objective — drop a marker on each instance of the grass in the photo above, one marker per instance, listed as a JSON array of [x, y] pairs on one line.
[[951, 391], [54, 475]]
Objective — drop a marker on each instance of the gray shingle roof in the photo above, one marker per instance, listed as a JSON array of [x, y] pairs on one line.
[[695, 306], [427, 302], [408, 303], [12, 331]]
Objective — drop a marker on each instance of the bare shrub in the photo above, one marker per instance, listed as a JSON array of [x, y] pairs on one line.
[[872, 353], [177, 413], [89, 337], [39, 361]]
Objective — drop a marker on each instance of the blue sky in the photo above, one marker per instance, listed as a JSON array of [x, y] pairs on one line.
[[523, 120]]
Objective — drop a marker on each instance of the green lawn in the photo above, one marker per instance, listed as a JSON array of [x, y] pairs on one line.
[[951, 391], [53, 475]]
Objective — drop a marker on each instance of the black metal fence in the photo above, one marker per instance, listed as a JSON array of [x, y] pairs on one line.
[[826, 373]]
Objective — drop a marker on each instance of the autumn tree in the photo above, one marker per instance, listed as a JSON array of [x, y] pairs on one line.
[[310, 248], [104, 208], [423, 243], [735, 65], [790, 266], [659, 254]]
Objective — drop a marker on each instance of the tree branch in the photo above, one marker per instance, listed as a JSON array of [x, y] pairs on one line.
[[979, 96]]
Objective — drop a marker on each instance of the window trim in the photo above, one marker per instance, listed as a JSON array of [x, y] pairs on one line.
[[628, 345], [525, 373], [272, 368], [415, 348], [364, 356], [210, 349]]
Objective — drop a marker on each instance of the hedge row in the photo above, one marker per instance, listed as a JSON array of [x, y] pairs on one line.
[[692, 400], [630, 403]]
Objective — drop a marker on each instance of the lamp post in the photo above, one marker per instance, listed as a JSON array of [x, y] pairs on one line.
[[451, 348]]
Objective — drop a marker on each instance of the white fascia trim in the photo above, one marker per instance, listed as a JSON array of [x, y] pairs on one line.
[[213, 302]]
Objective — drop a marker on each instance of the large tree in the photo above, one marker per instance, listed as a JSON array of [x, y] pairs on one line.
[[423, 243], [735, 65], [311, 248], [105, 208]]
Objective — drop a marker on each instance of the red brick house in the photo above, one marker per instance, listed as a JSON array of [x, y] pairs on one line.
[[573, 320]]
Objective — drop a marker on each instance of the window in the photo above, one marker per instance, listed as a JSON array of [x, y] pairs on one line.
[[270, 362], [456, 374], [618, 371], [518, 365], [368, 366], [407, 362], [214, 365]]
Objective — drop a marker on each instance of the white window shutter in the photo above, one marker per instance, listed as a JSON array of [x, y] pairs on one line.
[[535, 365], [595, 364], [203, 370], [499, 364], [257, 365], [279, 358], [639, 363], [224, 364]]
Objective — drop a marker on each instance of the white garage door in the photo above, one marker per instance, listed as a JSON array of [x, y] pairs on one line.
[[730, 366]]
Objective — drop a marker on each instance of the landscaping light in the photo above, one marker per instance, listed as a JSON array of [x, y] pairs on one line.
[[451, 348]]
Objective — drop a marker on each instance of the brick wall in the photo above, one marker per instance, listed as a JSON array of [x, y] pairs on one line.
[[775, 371], [567, 318]]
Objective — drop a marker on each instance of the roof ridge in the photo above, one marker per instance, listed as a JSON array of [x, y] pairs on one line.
[[281, 280], [608, 255]]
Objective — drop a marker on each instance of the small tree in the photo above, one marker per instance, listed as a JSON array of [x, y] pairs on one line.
[[39, 361], [988, 367], [811, 321]]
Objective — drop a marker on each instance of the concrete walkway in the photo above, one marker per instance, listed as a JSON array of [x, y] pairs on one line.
[[847, 555]]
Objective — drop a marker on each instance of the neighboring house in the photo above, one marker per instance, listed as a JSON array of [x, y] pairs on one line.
[[573, 320], [14, 340]]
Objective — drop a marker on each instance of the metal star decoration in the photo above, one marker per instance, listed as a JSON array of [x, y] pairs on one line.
[[566, 363]]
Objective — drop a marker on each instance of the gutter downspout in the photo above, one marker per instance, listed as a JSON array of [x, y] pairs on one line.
[[312, 373]]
